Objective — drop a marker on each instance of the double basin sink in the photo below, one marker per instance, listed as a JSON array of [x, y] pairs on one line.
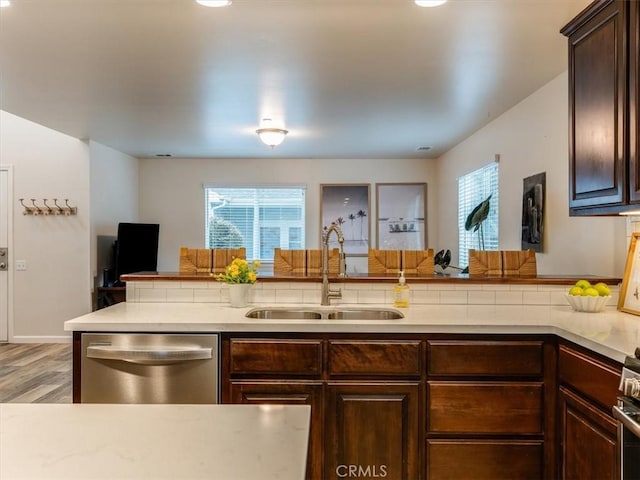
[[335, 313]]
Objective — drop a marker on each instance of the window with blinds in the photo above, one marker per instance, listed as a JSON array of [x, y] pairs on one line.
[[473, 188], [257, 218]]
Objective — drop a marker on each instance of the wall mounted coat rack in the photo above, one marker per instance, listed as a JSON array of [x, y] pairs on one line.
[[46, 209]]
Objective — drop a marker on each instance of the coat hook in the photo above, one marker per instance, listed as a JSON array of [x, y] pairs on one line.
[[60, 209], [70, 210], [47, 209], [27, 209], [35, 210]]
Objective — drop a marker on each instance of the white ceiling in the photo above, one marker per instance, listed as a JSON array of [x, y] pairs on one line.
[[347, 78]]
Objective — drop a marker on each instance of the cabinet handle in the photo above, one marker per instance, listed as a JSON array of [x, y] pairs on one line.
[[149, 356]]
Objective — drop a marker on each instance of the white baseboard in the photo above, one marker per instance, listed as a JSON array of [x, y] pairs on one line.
[[45, 339]]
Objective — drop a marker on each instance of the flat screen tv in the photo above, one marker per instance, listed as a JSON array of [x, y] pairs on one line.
[[136, 248]]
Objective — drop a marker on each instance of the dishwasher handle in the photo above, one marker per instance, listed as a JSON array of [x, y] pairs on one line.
[[629, 423], [149, 355]]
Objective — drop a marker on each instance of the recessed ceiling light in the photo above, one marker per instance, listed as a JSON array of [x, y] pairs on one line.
[[164, 155], [423, 149], [214, 3], [4, 3], [430, 3]]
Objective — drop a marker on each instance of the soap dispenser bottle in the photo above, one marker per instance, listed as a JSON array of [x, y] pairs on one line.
[[401, 292]]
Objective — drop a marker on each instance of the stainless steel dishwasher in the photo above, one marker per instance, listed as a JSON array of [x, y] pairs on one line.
[[149, 368]]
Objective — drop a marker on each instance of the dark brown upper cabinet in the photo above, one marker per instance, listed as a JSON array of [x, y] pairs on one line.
[[603, 109]]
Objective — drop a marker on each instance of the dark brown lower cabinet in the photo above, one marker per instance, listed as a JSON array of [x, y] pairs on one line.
[[587, 430], [484, 459], [288, 393], [435, 407], [372, 430], [588, 439]]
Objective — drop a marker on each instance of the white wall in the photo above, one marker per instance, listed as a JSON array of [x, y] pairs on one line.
[[56, 285], [171, 191], [531, 138], [114, 193]]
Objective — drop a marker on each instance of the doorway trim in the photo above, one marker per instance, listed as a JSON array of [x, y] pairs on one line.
[[8, 197]]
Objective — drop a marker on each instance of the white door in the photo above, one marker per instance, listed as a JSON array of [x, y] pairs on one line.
[[5, 235]]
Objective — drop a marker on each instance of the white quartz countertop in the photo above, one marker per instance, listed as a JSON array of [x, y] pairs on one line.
[[117, 442], [611, 333]]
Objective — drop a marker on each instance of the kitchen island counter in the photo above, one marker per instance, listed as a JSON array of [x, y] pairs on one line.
[[611, 333], [93, 441]]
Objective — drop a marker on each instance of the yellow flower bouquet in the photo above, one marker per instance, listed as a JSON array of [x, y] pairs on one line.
[[240, 271]]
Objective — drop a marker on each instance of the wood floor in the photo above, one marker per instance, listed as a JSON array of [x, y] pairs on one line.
[[35, 373]]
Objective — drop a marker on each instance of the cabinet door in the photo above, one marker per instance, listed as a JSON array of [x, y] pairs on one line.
[[289, 393], [634, 102], [597, 109], [588, 440], [372, 430]]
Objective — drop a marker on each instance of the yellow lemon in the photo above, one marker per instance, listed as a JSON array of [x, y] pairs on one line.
[[575, 291], [583, 284], [603, 289], [590, 292]]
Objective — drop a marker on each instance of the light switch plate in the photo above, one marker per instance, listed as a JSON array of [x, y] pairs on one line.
[[21, 265]]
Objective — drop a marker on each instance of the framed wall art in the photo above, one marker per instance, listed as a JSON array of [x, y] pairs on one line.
[[629, 300], [533, 191], [348, 206], [401, 211]]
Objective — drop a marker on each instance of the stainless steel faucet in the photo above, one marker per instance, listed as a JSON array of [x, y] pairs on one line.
[[327, 293]]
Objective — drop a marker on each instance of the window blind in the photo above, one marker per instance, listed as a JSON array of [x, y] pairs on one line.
[[257, 218], [473, 188]]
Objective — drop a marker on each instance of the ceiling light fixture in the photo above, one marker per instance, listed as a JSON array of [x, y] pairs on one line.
[[269, 135], [5, 3], [430, 3], [214, 3]]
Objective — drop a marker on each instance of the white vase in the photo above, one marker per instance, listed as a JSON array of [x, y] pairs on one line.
[[239, 294]]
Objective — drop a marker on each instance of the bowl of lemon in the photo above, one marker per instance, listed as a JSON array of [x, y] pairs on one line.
[[584, 297]]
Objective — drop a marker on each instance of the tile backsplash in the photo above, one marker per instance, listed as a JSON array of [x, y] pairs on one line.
[[361, 292]]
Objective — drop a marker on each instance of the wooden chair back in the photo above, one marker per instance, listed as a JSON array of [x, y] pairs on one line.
[[289, 261], [383, 262], [314, 261], [485, 262], [520, 263], [222, 257], [417, 262], [195, 260], [207, 260]]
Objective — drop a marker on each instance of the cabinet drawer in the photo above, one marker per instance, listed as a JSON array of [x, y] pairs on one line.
[[458, 358], [373, 357], [487, 407], [594, 378], [275, 357], [484, 459]]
